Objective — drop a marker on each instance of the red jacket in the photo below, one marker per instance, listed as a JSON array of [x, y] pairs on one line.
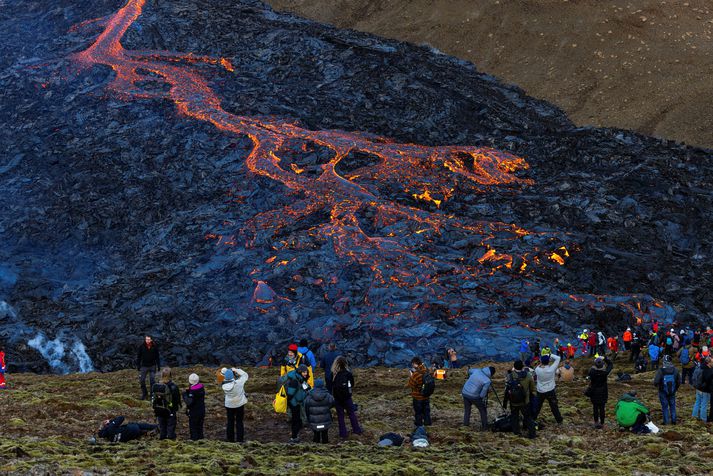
[[2, 360], [592, 339], [628, 337], [613, 344]]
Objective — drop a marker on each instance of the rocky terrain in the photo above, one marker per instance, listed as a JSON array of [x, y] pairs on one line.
[[642, 65], [228, 178]]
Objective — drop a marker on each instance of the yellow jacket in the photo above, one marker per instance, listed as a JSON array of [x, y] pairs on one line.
[[300, 360]]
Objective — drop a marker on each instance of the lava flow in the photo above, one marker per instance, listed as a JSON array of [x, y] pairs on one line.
[[401, 241]]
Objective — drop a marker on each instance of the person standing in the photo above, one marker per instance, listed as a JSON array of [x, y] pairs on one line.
[[308, 354], [519, 385], [421, 403], [235, 400], [599, 388], [667, 379], [166, 401], [293, 360], [654, 354], [545, 375], [3, 385], [297, 387], [627, 338], [147, 362], [453, 359], [635, 349], [318, 408], [326, 362], [703, 396], [194, 398], [613, 346], [685, 357], [475, 392], [524, 349], [343, 386]]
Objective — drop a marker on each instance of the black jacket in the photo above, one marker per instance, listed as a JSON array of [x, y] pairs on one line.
[[707, 379], [148, 357], [598, 382], [117, 432], [667, 369], [339, 391], [318, 406], [194, 398]]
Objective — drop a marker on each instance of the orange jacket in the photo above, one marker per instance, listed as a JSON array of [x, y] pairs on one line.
[[415, 382], [628, 337]]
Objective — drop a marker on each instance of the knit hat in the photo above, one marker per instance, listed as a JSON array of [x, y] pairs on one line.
[[318, 383], [193, 379], [492, 371], [302, 368], [545, 359], [599, 362], [229, 375], [292, 347], [518, 365]]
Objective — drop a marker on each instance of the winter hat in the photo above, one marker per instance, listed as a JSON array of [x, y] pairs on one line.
[[303, 343], [193, 379], [545, 359], [492, 371], [666, 359], [518, 365], [302, 368], [318, 383], [229, 375], [599, 362], [292, 347]]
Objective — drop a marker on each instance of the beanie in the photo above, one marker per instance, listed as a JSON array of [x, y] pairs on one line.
[[492, 371], [518, 365], [292, 347], [229, 375], [302, 368], [193, 379], [545, 359]]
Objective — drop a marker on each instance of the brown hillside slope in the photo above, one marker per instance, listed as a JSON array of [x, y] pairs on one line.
[[644, 65]]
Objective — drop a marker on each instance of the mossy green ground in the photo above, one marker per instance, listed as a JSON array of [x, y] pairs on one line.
[[45, 422]]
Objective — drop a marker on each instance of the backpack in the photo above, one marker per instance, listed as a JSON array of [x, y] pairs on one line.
[[697, 379], [341, 386], [516, 391], [685, 356], [429, 384], [669, 383], [669, 341], [162, 398]]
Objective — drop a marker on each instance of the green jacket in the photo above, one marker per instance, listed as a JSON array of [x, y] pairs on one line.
[[297, 388], [628, 409]]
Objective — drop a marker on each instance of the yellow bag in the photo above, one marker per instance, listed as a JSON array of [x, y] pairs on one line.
[[280, 401]]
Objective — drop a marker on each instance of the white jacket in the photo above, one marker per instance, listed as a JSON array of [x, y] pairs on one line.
[[235, 390], [546, 375]]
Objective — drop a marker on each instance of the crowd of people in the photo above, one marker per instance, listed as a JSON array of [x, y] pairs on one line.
[[674, 354]]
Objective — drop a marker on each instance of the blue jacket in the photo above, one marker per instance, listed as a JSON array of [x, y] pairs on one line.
[[478, 383], [524, 347], [308, 355], [654, 351]]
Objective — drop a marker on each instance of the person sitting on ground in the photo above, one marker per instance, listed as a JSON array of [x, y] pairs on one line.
[[166, 400], [632, 414], [342, 388], [421, 403], [293, 360], [623, 377], [599, 389], [235, 400], [667, 379], [194, 398], [641, 364], [546, 386], [318, 407], [519, 385], [297, 387], [566, 372], [112, 430], [475, 392]]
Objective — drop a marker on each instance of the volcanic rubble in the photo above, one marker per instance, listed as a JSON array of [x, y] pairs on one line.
[[124, 213]]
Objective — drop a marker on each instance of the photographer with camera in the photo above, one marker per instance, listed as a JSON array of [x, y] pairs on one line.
[[475, 392]]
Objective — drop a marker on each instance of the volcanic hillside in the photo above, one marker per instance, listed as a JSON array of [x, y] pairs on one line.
[[228, 178]]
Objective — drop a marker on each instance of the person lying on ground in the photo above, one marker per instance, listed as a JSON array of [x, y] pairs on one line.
[[113, 430]]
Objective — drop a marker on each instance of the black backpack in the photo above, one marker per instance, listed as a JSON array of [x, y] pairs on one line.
[[341, 388], [162, 398], [697, 378], [516, 391], [428, 386]]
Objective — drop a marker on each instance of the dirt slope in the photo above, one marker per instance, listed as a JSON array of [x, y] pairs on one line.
[[644, 65]]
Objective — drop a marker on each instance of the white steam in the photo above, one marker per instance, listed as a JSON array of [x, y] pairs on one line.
[[59, 357]]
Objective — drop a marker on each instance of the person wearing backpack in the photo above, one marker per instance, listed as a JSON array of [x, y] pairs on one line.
[[475, 392], [703, 396], [599, 389], [421, 390], [685, 357], [293, 360], [235, 399], [519, 385], [654, 354], [166, 400], [667, 379], [635, 348], [309, 358], [342, 388], [194, 398], [318, 407], [297, 386], [546, 386], [148, 362]]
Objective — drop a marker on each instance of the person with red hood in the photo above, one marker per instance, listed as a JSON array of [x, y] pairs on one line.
[[592, 343], [2, 369], [194, 398], [627, 338], [613, 345], [147, 362]]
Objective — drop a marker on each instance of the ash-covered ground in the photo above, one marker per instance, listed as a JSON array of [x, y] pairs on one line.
[[229, 179]]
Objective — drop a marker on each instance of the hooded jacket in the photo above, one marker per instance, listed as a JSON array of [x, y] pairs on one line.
[[654, 351], [297, 388], [546, 375], [318, 406], [667, 369], [478, 383], [234, 390], [310, 359], [288, 366], [628, 409], [116, 432], [194, 398], [528, 385], [598, 382], [415, 382]]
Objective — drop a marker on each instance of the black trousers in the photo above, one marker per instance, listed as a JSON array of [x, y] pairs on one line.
[[686, 372], [195, 426], [234, 430], [551, 398], [321, 436], [296, 420], [167, 427], [527, 422], [482, 408], [421, 412], [598, 410], [151, 371]]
